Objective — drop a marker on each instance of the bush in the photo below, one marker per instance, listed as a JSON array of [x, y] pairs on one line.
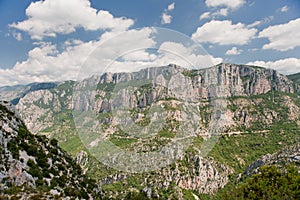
[[272, 183]]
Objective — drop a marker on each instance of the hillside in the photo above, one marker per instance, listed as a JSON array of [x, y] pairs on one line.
[[295, 77], [274, 176], [32, 166], [255, 111]]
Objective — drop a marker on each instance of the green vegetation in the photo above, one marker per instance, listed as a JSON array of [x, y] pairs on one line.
[[295, 78], [191, 73], [122, 142], [271, 183], [241, 150], [107, 87]]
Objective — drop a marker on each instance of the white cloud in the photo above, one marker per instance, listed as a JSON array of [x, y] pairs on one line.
[[124, 53], [49, 17], [17, 36], [282, 37], [222, 12], [234, 51], [185, 56], [284, 66], [166, 18], [253, 49], [284, 9], [171, 6], [223, 6], [225, 3], [224, 33], [46, 63], [254, 24], [265, 20], [205, 15], [139, 55]]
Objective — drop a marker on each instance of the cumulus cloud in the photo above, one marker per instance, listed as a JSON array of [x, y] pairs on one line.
[[205, 15], [284, 66], [225, 3], [222, 12], [282, 37], [130, 52], [234, 51], [17, 36], [171, 6], [51, 17], [284, 9], [224, 33], [265, 20], [46, 63], [166, 18], [185, 56], [223, 7]]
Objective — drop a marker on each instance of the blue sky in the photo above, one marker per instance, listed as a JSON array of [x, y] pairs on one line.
[[51, 40]]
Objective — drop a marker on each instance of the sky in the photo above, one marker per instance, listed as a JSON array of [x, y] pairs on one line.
[[56, 40]]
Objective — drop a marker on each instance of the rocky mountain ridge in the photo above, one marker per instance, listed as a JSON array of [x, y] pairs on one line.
[[14, 93], [253, 101], [224, 80], [281, 158], [34, 165]]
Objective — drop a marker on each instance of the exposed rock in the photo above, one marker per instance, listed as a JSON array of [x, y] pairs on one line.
[[30, 161], [283, 157], [82, 159]]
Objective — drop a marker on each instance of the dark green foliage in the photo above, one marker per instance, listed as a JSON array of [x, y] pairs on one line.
[[12, 146], [190, 73], [107, 87], [295, 77], [251, 146], [166, 133], [122, 142], [54, 142], [272, 183], [136, 196], [34, 169]]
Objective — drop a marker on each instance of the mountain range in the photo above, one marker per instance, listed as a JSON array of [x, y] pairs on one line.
[[255, 112]]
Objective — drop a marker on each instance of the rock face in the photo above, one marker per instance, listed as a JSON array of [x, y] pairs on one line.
[[14, 93], [12, 169], [281, 158], [224, 80], [38, 108], [29, 161], [204, 175]]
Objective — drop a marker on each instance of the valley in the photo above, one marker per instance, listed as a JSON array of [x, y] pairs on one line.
[[237, 116]]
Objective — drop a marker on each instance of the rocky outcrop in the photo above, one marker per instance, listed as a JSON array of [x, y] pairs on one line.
[[39, 107], [10, 168], [202, 175], [29, 161], [14, 93], [224, 80], [281, 158], [40, 104]]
